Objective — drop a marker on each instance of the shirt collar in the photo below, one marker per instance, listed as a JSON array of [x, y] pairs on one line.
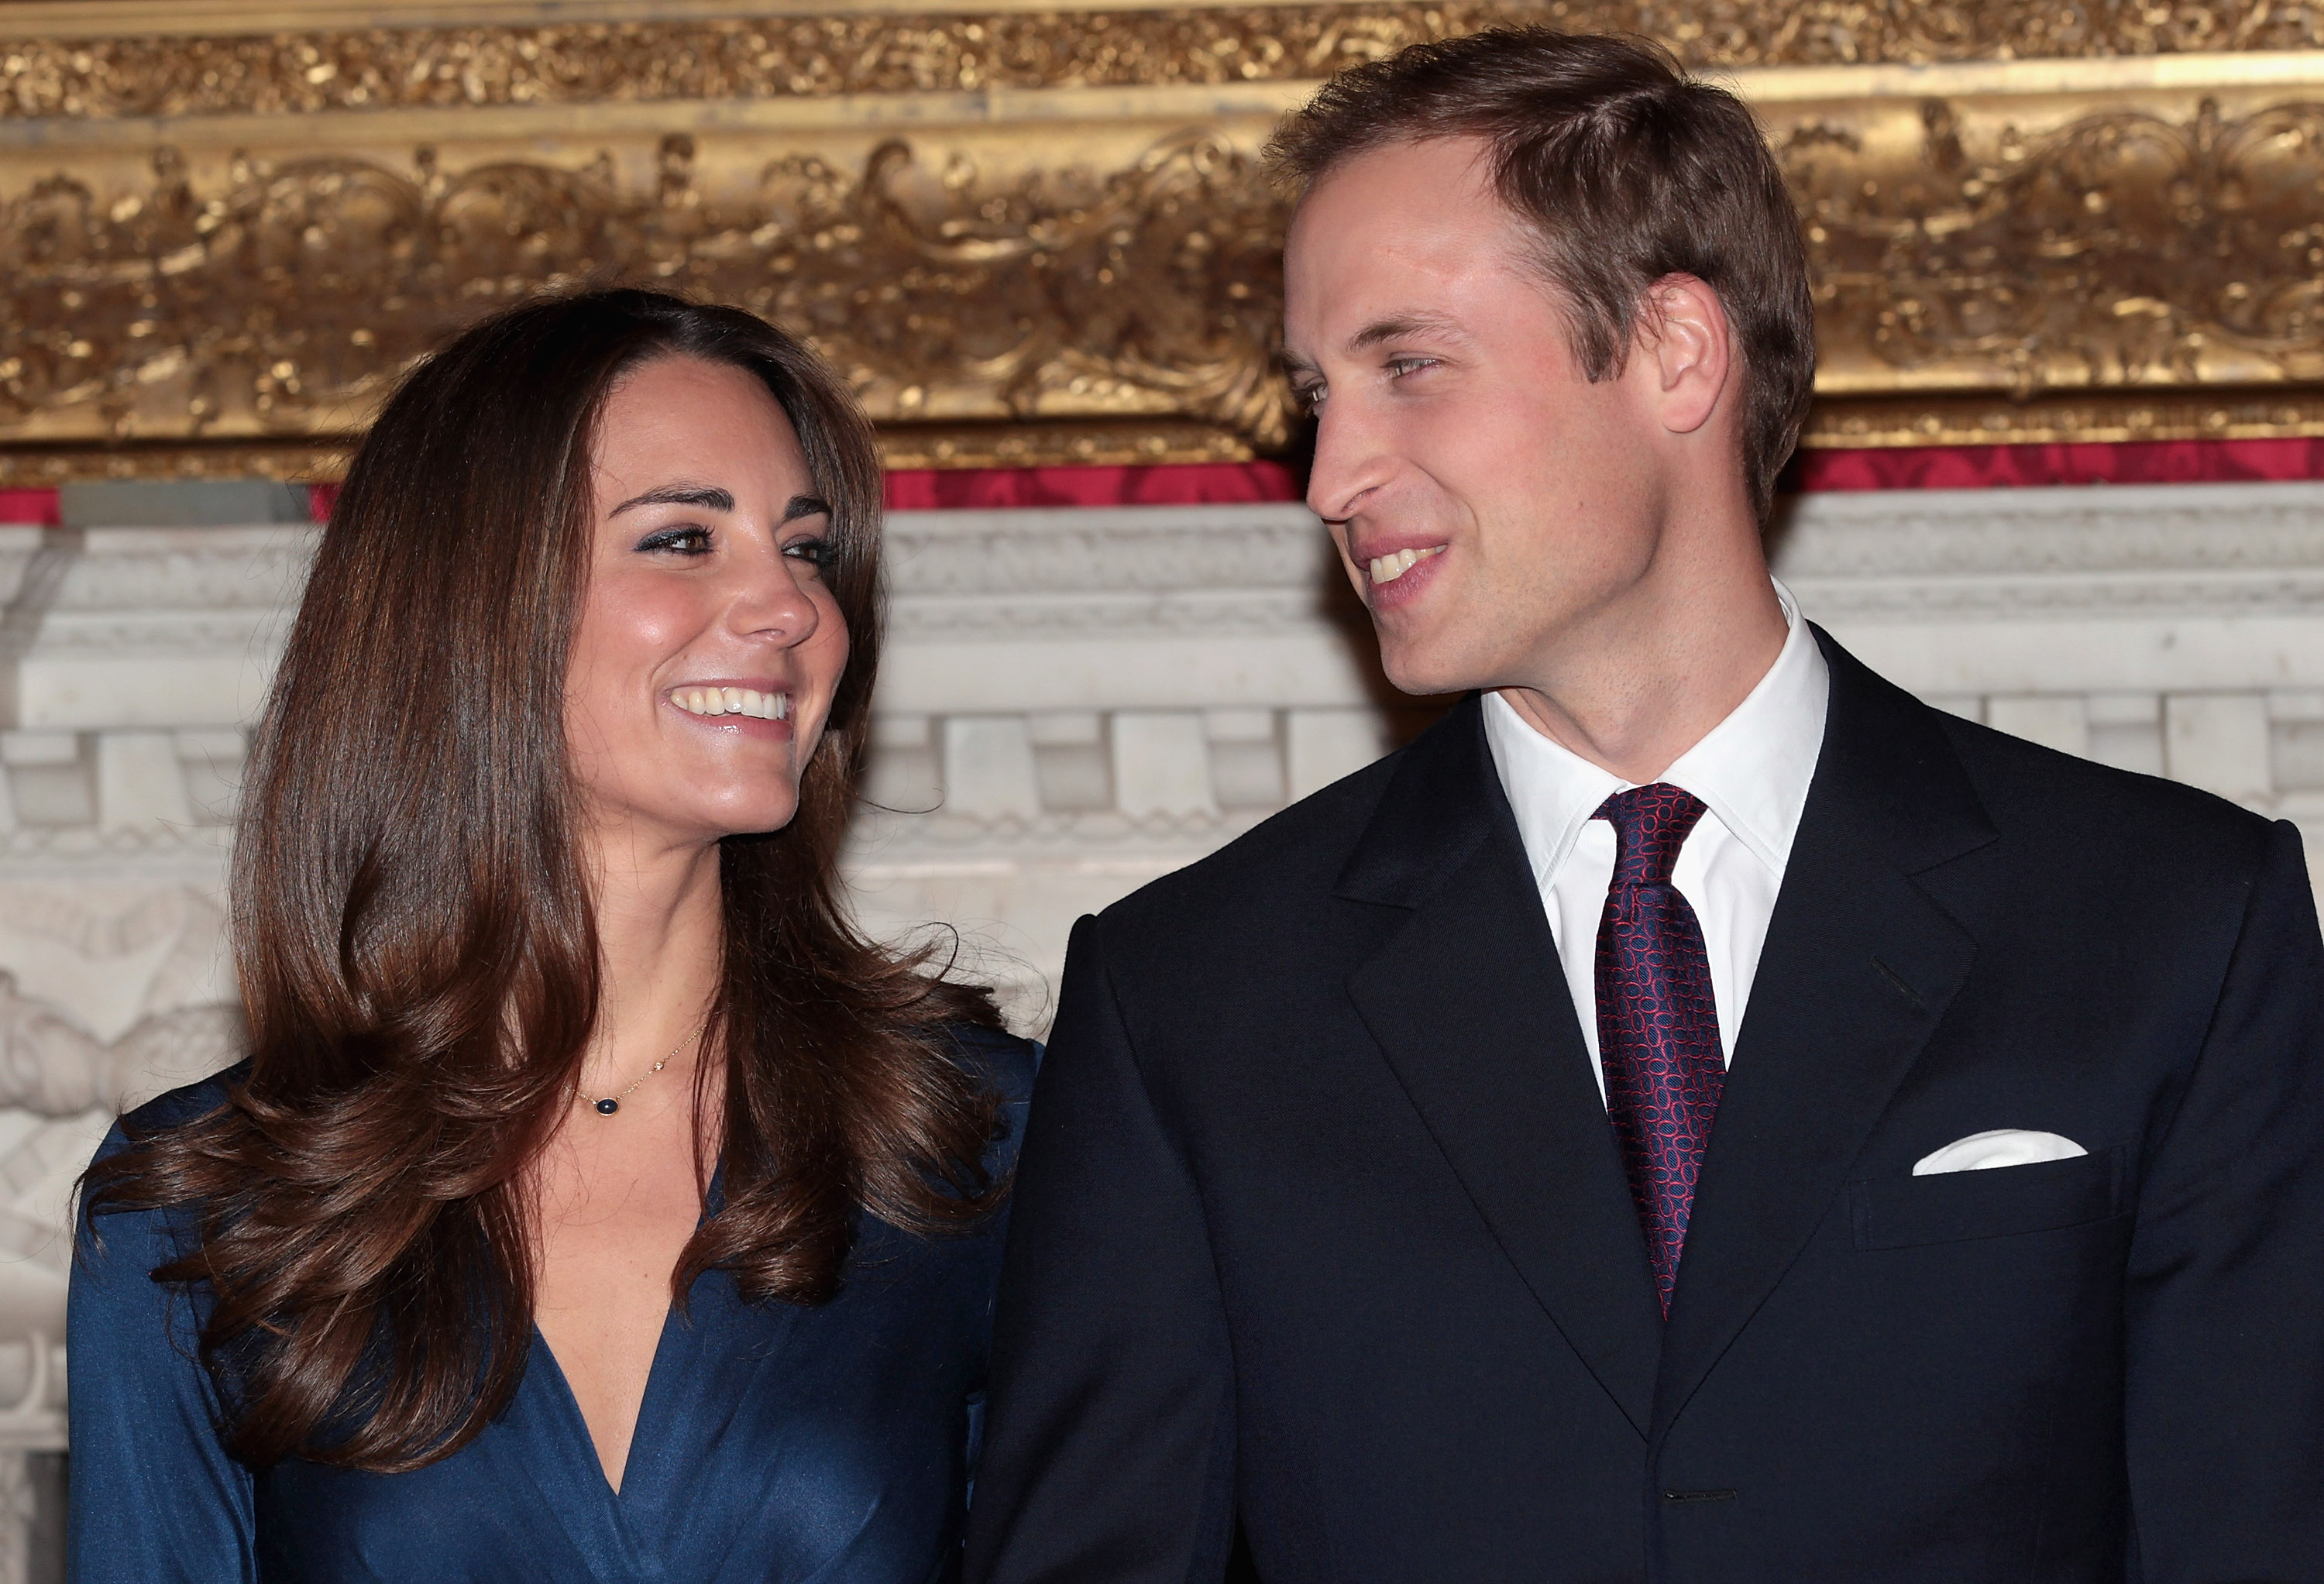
[[1752, 769]]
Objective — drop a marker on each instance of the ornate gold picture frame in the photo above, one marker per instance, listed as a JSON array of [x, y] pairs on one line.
[[1033, 234]]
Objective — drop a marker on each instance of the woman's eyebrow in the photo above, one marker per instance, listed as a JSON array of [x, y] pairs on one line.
[[708, 497], [807, 506]]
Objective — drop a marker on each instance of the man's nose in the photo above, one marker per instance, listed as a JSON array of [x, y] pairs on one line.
[[1352, 461]]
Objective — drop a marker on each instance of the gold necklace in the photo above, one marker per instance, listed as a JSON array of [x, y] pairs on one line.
[[612, 1103]]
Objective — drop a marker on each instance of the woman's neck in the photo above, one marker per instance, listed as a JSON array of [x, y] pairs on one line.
[[659, 941]]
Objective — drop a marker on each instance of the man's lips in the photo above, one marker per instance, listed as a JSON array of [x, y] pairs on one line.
[[1386, 554], [1391, 564]]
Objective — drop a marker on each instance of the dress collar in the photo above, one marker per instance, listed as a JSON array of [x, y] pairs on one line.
[[1752, 769]]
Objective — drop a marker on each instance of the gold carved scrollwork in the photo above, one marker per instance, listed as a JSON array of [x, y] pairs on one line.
[[2126, 249], [283, 303], [1036, 236], [867, 52]]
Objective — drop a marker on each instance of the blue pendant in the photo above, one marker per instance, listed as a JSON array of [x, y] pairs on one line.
[[607, 1107]]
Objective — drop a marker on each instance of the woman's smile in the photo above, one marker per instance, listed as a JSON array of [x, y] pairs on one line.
[[757, 708]]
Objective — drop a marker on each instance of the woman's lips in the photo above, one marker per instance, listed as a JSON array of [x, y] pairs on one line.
[[737, 709], [713, 702]]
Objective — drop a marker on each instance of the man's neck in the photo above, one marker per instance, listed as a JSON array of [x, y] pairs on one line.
[[1641, 684]]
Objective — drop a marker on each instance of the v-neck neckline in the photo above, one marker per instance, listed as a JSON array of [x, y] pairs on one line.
[[577, 1423]]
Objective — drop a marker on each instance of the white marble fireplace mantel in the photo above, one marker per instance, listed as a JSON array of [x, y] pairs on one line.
[[1072, 702]]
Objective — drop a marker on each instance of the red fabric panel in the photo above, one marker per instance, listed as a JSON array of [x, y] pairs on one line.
[[923, 489], [1907, 467], [2137, 462], [37, 507]]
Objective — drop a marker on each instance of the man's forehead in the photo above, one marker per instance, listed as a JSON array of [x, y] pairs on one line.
[[1428, 321], [1454, 166], [1354, 287], [1411, 205]]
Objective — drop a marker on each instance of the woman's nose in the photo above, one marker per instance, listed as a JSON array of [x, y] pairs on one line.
[[774, 602]]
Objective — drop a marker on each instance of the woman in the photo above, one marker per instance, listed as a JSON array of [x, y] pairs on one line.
[[595, 1203]]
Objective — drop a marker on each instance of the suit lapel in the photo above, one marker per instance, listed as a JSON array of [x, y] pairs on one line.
[[1469, 1004], [1858, 966]]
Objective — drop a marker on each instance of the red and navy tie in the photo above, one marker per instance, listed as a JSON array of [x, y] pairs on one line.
[[1657, 1024]]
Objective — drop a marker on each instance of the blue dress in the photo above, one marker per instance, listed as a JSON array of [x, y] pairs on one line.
[[777, 1443]]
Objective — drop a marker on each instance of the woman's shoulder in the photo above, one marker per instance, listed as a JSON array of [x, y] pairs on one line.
[[1001, 1058], [1007, 1064], [153, 1229], [122, 1234], [187, 1103]]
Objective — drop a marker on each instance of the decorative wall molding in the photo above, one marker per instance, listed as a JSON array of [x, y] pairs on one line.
[[1168, 572], [1072, 703], [52, 1067], [1134, 685], [1037, 237], [1987, 554], [2127, 248], [2000, 556], [96, 59], [281, 296]]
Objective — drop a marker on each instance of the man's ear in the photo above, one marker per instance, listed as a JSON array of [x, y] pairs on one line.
[[1692, 348]]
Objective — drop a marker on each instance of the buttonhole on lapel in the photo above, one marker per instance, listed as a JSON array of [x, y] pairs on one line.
[[1902, 988], [1698, 1495]]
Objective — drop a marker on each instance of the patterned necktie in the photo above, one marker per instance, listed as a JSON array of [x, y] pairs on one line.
[[1657, 1024]]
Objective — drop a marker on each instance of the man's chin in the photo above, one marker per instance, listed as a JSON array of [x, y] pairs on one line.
[[1415, 669]]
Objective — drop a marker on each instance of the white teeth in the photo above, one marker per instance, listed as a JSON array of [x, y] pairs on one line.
[[732, 701], [1387, 568]]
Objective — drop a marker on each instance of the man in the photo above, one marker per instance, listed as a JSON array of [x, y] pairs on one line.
[[1697, 1113]]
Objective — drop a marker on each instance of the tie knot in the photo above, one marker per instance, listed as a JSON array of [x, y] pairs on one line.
[[1650, 826]]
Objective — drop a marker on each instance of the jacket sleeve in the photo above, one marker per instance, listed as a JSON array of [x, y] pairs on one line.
[[2224, 1302], [155, 1498], [1110, 1442]]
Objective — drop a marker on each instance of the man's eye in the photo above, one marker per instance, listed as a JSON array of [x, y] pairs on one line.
[[1398, 367], [684, 541], [813, 552], [1309, 397]]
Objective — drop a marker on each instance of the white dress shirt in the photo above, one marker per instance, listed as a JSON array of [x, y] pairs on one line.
[[1751, 772]]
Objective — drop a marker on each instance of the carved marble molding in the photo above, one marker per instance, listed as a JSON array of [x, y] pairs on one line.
[[195, 597], [1034, 235], [2171, 629], [2189, 549], [161, 593], [53, 1067], [1993, 553]]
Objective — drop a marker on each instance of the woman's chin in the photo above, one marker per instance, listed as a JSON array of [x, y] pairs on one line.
[[754, 822], [696, 826]]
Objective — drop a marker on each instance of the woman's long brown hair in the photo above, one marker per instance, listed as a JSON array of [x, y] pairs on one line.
[[414, 939]]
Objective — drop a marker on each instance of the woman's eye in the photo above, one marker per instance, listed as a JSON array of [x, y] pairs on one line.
[[813, 552], [683, 541]]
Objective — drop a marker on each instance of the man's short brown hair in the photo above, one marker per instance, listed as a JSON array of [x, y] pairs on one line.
[[1627, 171]]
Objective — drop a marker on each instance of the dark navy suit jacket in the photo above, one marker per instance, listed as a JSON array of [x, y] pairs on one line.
[[1321, 1239]]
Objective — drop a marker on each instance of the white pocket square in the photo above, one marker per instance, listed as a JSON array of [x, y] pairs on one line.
[[2003, 1147]]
